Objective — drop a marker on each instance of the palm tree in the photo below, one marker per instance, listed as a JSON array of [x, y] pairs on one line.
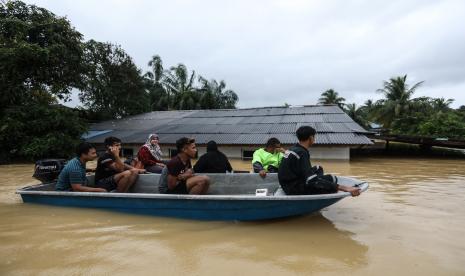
[[369, 104], [397, 99], [331, 97], [356, 114], [214, 95], [157, 68], [180, 87], [442, 104], [177, 89], [157, 94]]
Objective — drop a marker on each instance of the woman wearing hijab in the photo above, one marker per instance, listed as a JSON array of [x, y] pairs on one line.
[[214, 161], [151, 156]]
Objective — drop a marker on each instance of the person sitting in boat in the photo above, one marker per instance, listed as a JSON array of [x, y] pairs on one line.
[[150, 155], [214, 161], [73, 176], [268, 159], [112, 173], [178, 177], [297, 176]]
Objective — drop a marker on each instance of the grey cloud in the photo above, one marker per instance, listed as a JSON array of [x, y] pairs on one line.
[[271, 52]]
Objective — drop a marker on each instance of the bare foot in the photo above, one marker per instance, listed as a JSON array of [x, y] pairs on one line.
[[352, 190]]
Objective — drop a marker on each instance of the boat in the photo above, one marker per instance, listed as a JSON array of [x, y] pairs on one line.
[[232, 196]]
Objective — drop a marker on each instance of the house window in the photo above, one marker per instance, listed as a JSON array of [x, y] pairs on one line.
[[247, 154]]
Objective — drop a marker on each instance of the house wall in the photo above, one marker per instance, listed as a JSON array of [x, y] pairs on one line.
[[317, 152]]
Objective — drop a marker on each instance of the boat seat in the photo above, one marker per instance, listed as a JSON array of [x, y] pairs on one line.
[[221, 184]]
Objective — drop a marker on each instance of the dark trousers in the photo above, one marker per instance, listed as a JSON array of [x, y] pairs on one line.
[[320, 183]]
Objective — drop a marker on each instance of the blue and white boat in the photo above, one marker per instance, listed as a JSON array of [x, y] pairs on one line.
[[236, 196]]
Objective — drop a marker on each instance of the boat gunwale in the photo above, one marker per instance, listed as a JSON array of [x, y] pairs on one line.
[[26, 191]]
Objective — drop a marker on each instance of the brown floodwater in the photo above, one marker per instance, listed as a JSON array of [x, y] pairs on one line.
[[410, 221]]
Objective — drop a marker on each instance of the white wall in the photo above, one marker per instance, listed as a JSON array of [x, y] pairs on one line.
[[342, 153]]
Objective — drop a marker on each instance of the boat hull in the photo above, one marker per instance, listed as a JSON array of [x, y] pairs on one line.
[[231, 197], [208, 209]]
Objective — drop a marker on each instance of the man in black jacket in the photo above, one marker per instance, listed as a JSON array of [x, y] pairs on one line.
[[298, 177], [214, 161]]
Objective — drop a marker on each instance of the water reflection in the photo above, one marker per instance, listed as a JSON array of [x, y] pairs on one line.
[[65, 240], [290, 244]]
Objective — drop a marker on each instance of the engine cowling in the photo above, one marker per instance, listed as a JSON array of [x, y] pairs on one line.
[[47, 170]]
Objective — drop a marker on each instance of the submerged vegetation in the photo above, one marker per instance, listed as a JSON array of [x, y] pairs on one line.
[[399, 113]]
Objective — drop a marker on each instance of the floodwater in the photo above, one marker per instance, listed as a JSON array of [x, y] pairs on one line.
[[410, 221]]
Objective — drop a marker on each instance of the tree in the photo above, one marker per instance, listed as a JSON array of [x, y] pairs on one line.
[[441, 104], [443, 124], [39, 131], [179, 84], [157, 94], [40, 62], [397, 99], [356, 114], [178, 89], [113, 86], [214, 95], [331, 97], [40, 55]]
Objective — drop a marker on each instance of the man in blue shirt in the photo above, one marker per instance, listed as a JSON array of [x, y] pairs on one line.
[[73, 175]]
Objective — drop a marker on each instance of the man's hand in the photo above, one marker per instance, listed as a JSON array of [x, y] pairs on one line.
[[262, 173], [114, 151], [281, 150], [100, 190], [187, 174], [139, 171]]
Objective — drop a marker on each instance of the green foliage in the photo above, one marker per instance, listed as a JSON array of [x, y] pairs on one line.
[[397, 100], [357, 114], [430, 117], [37, 131], [177, 89], [40, 55], [112, 84], [440, 124], [42, 58], [423, 116], [399, 113], [331, 97], [214, 96], [40, 62]]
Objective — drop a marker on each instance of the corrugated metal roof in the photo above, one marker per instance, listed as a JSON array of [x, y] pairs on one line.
[[237, 126], [242, 139]]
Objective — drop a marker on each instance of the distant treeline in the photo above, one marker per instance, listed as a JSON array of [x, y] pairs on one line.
[[400, 113], [43, 58]]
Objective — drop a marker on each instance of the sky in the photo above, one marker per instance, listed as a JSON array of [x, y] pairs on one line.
[[288, 51]]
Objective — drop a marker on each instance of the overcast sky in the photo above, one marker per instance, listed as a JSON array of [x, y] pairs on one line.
[[276, 52]]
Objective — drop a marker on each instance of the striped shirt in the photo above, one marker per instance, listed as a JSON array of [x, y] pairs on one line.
[[73, 173]]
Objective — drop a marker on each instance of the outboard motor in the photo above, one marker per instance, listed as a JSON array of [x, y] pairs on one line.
[[47, 170]]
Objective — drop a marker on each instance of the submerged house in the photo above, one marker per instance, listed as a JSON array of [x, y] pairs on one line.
[[238, 132]]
